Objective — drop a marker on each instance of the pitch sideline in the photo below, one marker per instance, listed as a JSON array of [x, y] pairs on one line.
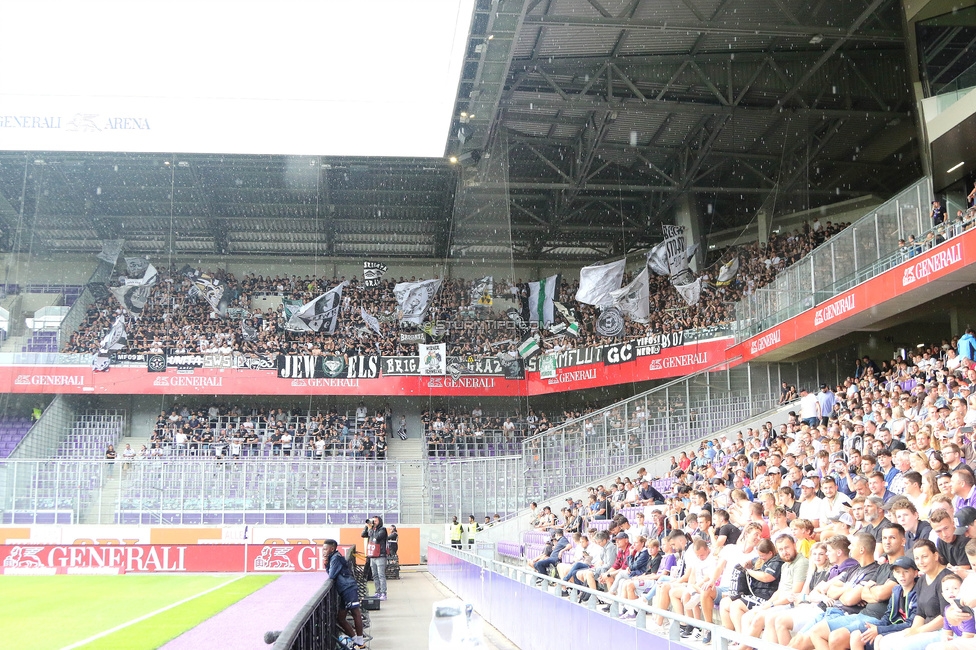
[[149, 615]]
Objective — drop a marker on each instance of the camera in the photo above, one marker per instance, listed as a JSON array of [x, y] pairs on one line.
[[369, 522]]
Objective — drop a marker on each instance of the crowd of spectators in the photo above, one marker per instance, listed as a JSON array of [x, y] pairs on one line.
[[178, 321], [852, 524], [235, 432], [462, 432]]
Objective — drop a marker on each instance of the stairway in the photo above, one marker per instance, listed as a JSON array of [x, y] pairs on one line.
[[102, 509], [413, 489]]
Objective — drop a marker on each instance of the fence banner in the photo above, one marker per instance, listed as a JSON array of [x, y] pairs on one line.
[[160, 558]]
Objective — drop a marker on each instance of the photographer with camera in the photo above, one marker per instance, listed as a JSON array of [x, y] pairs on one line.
[[376, 537]]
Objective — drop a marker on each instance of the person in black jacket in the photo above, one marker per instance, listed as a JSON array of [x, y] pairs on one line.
[[377, 538]]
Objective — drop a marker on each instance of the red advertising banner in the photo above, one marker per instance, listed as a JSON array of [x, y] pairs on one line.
[[156, 558], [913, 276], [122, 380]]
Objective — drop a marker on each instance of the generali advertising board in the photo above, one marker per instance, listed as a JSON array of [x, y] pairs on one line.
[[158, 558], [909, 276], [127, 380]]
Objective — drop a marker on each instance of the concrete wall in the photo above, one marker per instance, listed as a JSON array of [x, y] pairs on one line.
[[78, 268]]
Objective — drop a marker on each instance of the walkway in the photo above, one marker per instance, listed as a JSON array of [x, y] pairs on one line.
[[404, 619]]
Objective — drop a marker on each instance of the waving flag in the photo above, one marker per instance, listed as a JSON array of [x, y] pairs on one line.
[[542, 296], [318, 314], [414, 299], [597, 281]]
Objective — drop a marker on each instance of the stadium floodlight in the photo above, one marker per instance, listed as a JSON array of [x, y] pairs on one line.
[[289, 77]]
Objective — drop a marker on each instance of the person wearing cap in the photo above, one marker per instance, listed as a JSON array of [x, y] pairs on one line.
[[965, 521], [927, 623], [811, 507], [839, 523], [901, 610], [860, 485]]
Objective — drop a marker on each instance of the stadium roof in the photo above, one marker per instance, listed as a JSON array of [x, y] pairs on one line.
[[610, 112]]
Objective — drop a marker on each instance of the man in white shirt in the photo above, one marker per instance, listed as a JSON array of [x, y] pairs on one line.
[[809, 408], [811, 507]]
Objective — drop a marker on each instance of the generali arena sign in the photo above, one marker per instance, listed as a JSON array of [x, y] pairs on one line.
[[602, 366], [910, 276], [159, 558]]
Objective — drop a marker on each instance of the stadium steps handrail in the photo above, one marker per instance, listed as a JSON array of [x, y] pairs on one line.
[[510, 527]]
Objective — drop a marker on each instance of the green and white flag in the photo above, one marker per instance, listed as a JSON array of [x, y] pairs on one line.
[[528, 347], [542, 294]]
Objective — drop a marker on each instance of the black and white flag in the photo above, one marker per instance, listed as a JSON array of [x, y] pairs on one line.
[[658, 256], [249, 332], [690, 292], [132, 297], [101, 362], [634, 299], [140, 273], [414, 299], [111, 249], [212, 290], [116, 337], [727, 273], [482, 290], [369, 319], [610, 322], [320, 314], [373, 272], [135, 267], [98, 291]]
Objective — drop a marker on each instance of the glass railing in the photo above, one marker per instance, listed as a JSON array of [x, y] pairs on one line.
[[199, 492], [867, 248]]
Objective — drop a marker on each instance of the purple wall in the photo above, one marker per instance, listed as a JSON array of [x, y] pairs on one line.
[[531, 617]]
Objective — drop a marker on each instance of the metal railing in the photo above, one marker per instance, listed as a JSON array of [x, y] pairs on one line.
[[863, 250], [611, 439], [474, 486], [199, 491], [472, 586], [315, 626]]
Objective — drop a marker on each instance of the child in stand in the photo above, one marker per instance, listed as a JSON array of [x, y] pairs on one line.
[[964, 630]]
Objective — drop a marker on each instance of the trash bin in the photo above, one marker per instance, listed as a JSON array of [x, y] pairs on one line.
[[454, 626]]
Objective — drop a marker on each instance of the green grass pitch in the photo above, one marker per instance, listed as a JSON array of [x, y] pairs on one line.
[[42, 612]]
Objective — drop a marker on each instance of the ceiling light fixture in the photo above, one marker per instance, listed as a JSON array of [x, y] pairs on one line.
[[816, 39], [955, 167]]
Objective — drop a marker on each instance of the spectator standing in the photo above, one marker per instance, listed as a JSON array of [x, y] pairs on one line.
[[377, 538], [809, 408]]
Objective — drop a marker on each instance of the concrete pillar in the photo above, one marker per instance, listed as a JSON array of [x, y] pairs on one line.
[[960, 318], [762, 217], [686, 214]]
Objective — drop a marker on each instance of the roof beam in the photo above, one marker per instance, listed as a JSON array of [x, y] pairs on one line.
[[641, 188], [849, 34], [636, 106], [716, 27]]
